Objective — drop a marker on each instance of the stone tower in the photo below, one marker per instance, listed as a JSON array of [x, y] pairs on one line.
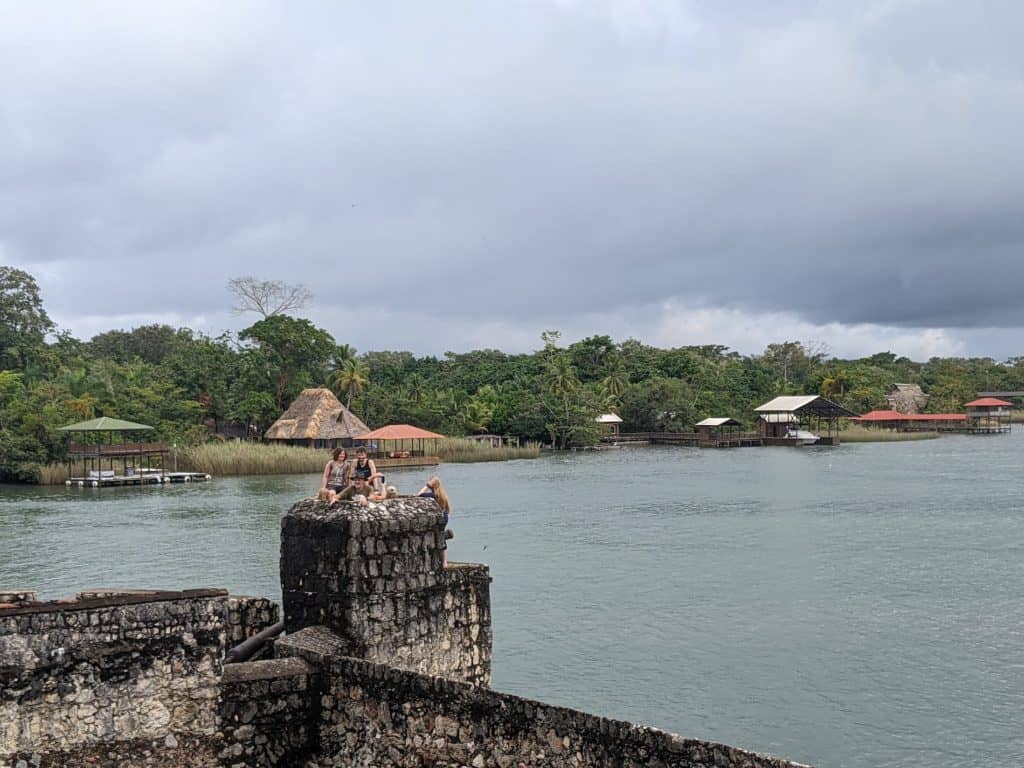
[[373, 576]]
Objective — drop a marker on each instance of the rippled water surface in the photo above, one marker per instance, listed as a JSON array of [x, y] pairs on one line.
[[854, 606]]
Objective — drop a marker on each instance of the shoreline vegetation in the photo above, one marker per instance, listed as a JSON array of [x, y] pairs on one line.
[[194, 389], [224, 459]]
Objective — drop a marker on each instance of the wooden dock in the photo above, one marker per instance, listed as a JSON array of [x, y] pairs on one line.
[[408, 461], [143, 478], [691, 439]]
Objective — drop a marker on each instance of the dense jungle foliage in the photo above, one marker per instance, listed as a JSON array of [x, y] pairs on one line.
[[192, 387]]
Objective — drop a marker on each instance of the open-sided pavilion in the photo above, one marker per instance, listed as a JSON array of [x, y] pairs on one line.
[[108, 451], [723, 432], [401, 445], [988, 415], [809, 412]]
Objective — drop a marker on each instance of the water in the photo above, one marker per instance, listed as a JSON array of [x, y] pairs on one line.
[[857, 606]]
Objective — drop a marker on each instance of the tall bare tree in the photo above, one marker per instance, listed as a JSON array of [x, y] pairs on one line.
[[267, 297]]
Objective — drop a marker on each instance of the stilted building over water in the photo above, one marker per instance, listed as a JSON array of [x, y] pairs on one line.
[[988, 415], [107, 451], [721, 432], [913, 422], [782, 420]]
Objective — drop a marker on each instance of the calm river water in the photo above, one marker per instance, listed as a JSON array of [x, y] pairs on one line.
[[852, 606]]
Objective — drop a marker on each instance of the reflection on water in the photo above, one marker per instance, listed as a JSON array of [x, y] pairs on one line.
[[856, 606]]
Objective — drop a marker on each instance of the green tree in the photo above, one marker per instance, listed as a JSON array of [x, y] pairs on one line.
[[792, 362], [23, 320], [571, 408], [257, 410], [659, 405], [286, 355]]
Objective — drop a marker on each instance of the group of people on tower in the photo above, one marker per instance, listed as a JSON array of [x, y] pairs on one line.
[[358, 480]]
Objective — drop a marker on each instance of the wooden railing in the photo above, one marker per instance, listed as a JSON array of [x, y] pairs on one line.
[[117, 449], [685, 438]]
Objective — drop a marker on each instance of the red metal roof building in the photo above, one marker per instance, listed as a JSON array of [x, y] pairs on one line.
[[988, 402], [913, 422], [401, 445], [989, 415], [400, 432]]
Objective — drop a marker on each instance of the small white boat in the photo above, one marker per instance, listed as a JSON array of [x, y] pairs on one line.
[[802, 436]]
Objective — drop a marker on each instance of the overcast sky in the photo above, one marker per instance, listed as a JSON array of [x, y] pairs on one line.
[[454, 175]]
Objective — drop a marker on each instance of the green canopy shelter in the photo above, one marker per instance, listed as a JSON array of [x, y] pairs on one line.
[[98, 448]]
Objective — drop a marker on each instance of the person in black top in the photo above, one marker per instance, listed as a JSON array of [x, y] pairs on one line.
[[364, 468]]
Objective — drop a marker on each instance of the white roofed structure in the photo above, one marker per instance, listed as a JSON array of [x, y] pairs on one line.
[[718, 422], [777, 415], [611, 421]]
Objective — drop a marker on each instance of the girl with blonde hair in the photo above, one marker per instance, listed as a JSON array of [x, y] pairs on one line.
[[434, 490]]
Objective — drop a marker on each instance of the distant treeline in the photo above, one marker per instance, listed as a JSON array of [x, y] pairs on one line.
[[194, 388]]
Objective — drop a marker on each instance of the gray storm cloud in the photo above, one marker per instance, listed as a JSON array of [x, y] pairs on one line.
[[523, 158]]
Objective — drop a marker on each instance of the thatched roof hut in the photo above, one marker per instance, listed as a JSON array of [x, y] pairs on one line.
[[317, 419], [907, 398]]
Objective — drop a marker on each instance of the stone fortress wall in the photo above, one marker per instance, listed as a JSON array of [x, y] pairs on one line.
[[104, 677], [386, 662]]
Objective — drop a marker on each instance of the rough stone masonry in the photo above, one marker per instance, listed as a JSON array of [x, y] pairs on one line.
[[373, 576], [386, 662]]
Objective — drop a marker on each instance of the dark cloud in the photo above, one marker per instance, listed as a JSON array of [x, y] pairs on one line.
[[522, 162]]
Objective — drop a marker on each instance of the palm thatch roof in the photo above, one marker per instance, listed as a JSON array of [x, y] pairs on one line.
[[316, 414]]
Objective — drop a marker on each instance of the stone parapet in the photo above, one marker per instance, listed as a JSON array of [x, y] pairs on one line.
[[269, 713], [373, 714]]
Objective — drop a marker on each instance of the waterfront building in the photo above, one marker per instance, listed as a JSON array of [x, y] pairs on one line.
[[907, 398], [989, 415], [401, 445], [780, 419], [611, 422], [913, 422]]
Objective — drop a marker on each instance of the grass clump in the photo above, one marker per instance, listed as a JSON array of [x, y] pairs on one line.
[[239, 458], [53, 474], [460, 450], [859, 434]]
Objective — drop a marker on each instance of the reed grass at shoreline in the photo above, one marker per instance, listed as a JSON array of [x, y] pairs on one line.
[[455, 450], [241, 458], [862, 435]]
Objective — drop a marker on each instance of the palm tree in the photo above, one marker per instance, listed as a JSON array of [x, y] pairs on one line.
[[475, 416], [351, 379], [560, 376], [415, 388], [835, 384], [345, 352], [614, 384]]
